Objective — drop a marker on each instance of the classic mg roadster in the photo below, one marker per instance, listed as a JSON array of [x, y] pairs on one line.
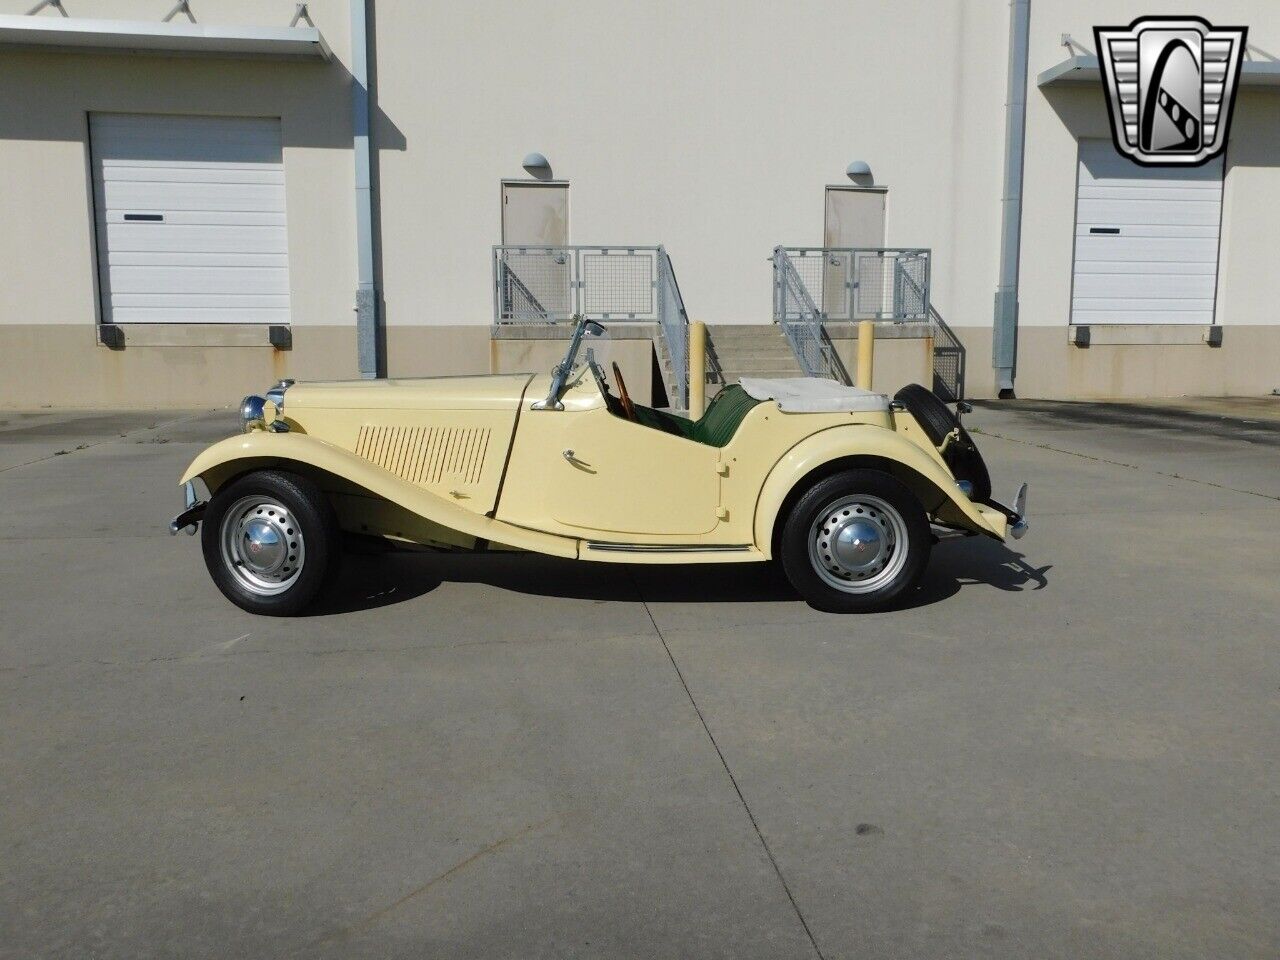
[[846, 488]]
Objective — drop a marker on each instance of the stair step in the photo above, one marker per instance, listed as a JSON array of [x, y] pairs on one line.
[[764, 336], [774, 353], [762, 363]]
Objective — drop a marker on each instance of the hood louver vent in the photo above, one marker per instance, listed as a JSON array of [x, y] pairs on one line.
[[427, 455]]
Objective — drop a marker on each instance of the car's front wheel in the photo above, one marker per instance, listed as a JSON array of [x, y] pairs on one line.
[[271, 542], [857, 541]]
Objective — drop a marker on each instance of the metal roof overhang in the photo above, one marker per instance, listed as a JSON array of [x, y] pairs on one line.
[[1084, 69], [76, 34]]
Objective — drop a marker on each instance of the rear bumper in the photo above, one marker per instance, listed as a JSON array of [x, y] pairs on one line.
[[1015, 514]]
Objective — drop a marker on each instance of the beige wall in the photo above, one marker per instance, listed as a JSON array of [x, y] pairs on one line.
[[709, 128]]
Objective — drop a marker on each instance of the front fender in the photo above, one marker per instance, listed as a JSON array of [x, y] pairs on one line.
[[263, 450], [885, 449]]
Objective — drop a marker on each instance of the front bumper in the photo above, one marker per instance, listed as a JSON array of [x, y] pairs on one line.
[[1016, 513], [189, 519]]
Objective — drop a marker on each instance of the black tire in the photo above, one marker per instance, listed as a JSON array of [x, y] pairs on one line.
[[937, 421], [862, 496], [274, 504]]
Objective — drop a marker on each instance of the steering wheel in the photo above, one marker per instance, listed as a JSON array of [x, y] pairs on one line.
[[628, 407]]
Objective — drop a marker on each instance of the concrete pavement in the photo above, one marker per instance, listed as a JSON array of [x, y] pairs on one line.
[[1065, 748]]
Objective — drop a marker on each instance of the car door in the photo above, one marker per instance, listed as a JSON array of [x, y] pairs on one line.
[[618, 478]]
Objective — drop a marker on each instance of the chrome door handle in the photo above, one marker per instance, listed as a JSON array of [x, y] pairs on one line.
[[568, 455]]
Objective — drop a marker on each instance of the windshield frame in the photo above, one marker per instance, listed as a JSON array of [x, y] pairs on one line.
[[561, 371]]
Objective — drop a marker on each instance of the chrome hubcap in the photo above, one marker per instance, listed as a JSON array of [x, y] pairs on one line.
[[261, 545], [858, 543]]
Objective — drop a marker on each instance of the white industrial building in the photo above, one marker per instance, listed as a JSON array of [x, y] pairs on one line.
[[192, 209]]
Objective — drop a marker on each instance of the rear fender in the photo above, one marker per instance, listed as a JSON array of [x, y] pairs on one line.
[[260, 450], [866, 445]]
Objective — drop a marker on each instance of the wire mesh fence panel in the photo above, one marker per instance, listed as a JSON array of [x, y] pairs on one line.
[[834, 294], [948, 360], [618, 284], [810, 268], [534, 284], [863, 284], [872, 296], [911, 287], [674, 322], [816, 285], [890, 285], [799, 317]]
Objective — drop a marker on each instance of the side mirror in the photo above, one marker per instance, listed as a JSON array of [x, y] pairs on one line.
[[593, 329]]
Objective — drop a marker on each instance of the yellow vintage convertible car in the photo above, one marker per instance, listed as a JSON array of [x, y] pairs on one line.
[[846, 488]]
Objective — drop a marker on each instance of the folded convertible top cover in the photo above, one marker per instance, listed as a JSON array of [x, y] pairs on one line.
[[812, 395]]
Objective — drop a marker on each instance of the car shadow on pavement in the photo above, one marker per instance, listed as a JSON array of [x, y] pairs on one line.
[[972, 561], [369, 581]]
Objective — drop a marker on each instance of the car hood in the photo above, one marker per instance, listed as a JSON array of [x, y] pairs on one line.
[[495, 392]]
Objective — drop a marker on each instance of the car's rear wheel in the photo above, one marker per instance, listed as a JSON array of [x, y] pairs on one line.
[[937, 421], [855, 542], [270, 541]]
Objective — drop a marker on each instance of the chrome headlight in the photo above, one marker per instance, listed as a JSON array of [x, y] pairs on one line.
[[251, 411]]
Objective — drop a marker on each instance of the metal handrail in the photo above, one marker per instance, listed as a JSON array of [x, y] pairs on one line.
[[863, 283], [801, 322], [546, 284], [948, 352], [520, 297], [855, 283], [948, 360]]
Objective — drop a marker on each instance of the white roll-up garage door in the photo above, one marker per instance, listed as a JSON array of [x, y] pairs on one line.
[[190, 219], [1146, 240]]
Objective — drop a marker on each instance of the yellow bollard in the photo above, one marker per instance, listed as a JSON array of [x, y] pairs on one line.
[[866, 352], [697, 369]]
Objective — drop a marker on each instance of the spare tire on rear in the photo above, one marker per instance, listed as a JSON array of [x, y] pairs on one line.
[[937, 421]]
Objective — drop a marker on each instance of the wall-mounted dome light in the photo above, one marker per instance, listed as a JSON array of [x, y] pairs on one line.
[[536, 165], [858, 168]]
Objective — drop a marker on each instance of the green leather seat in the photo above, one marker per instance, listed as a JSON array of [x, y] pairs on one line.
[[715, 428], [725, 414]]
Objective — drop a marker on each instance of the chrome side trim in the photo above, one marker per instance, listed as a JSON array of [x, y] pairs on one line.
[[668, 547]]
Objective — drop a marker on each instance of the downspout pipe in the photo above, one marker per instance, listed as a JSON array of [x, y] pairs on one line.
[[1004, 339], [367, 340]]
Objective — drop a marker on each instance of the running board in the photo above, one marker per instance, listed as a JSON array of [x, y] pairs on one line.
[[606, 551]]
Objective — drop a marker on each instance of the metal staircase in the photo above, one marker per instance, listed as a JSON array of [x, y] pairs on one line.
[[747, 350]]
